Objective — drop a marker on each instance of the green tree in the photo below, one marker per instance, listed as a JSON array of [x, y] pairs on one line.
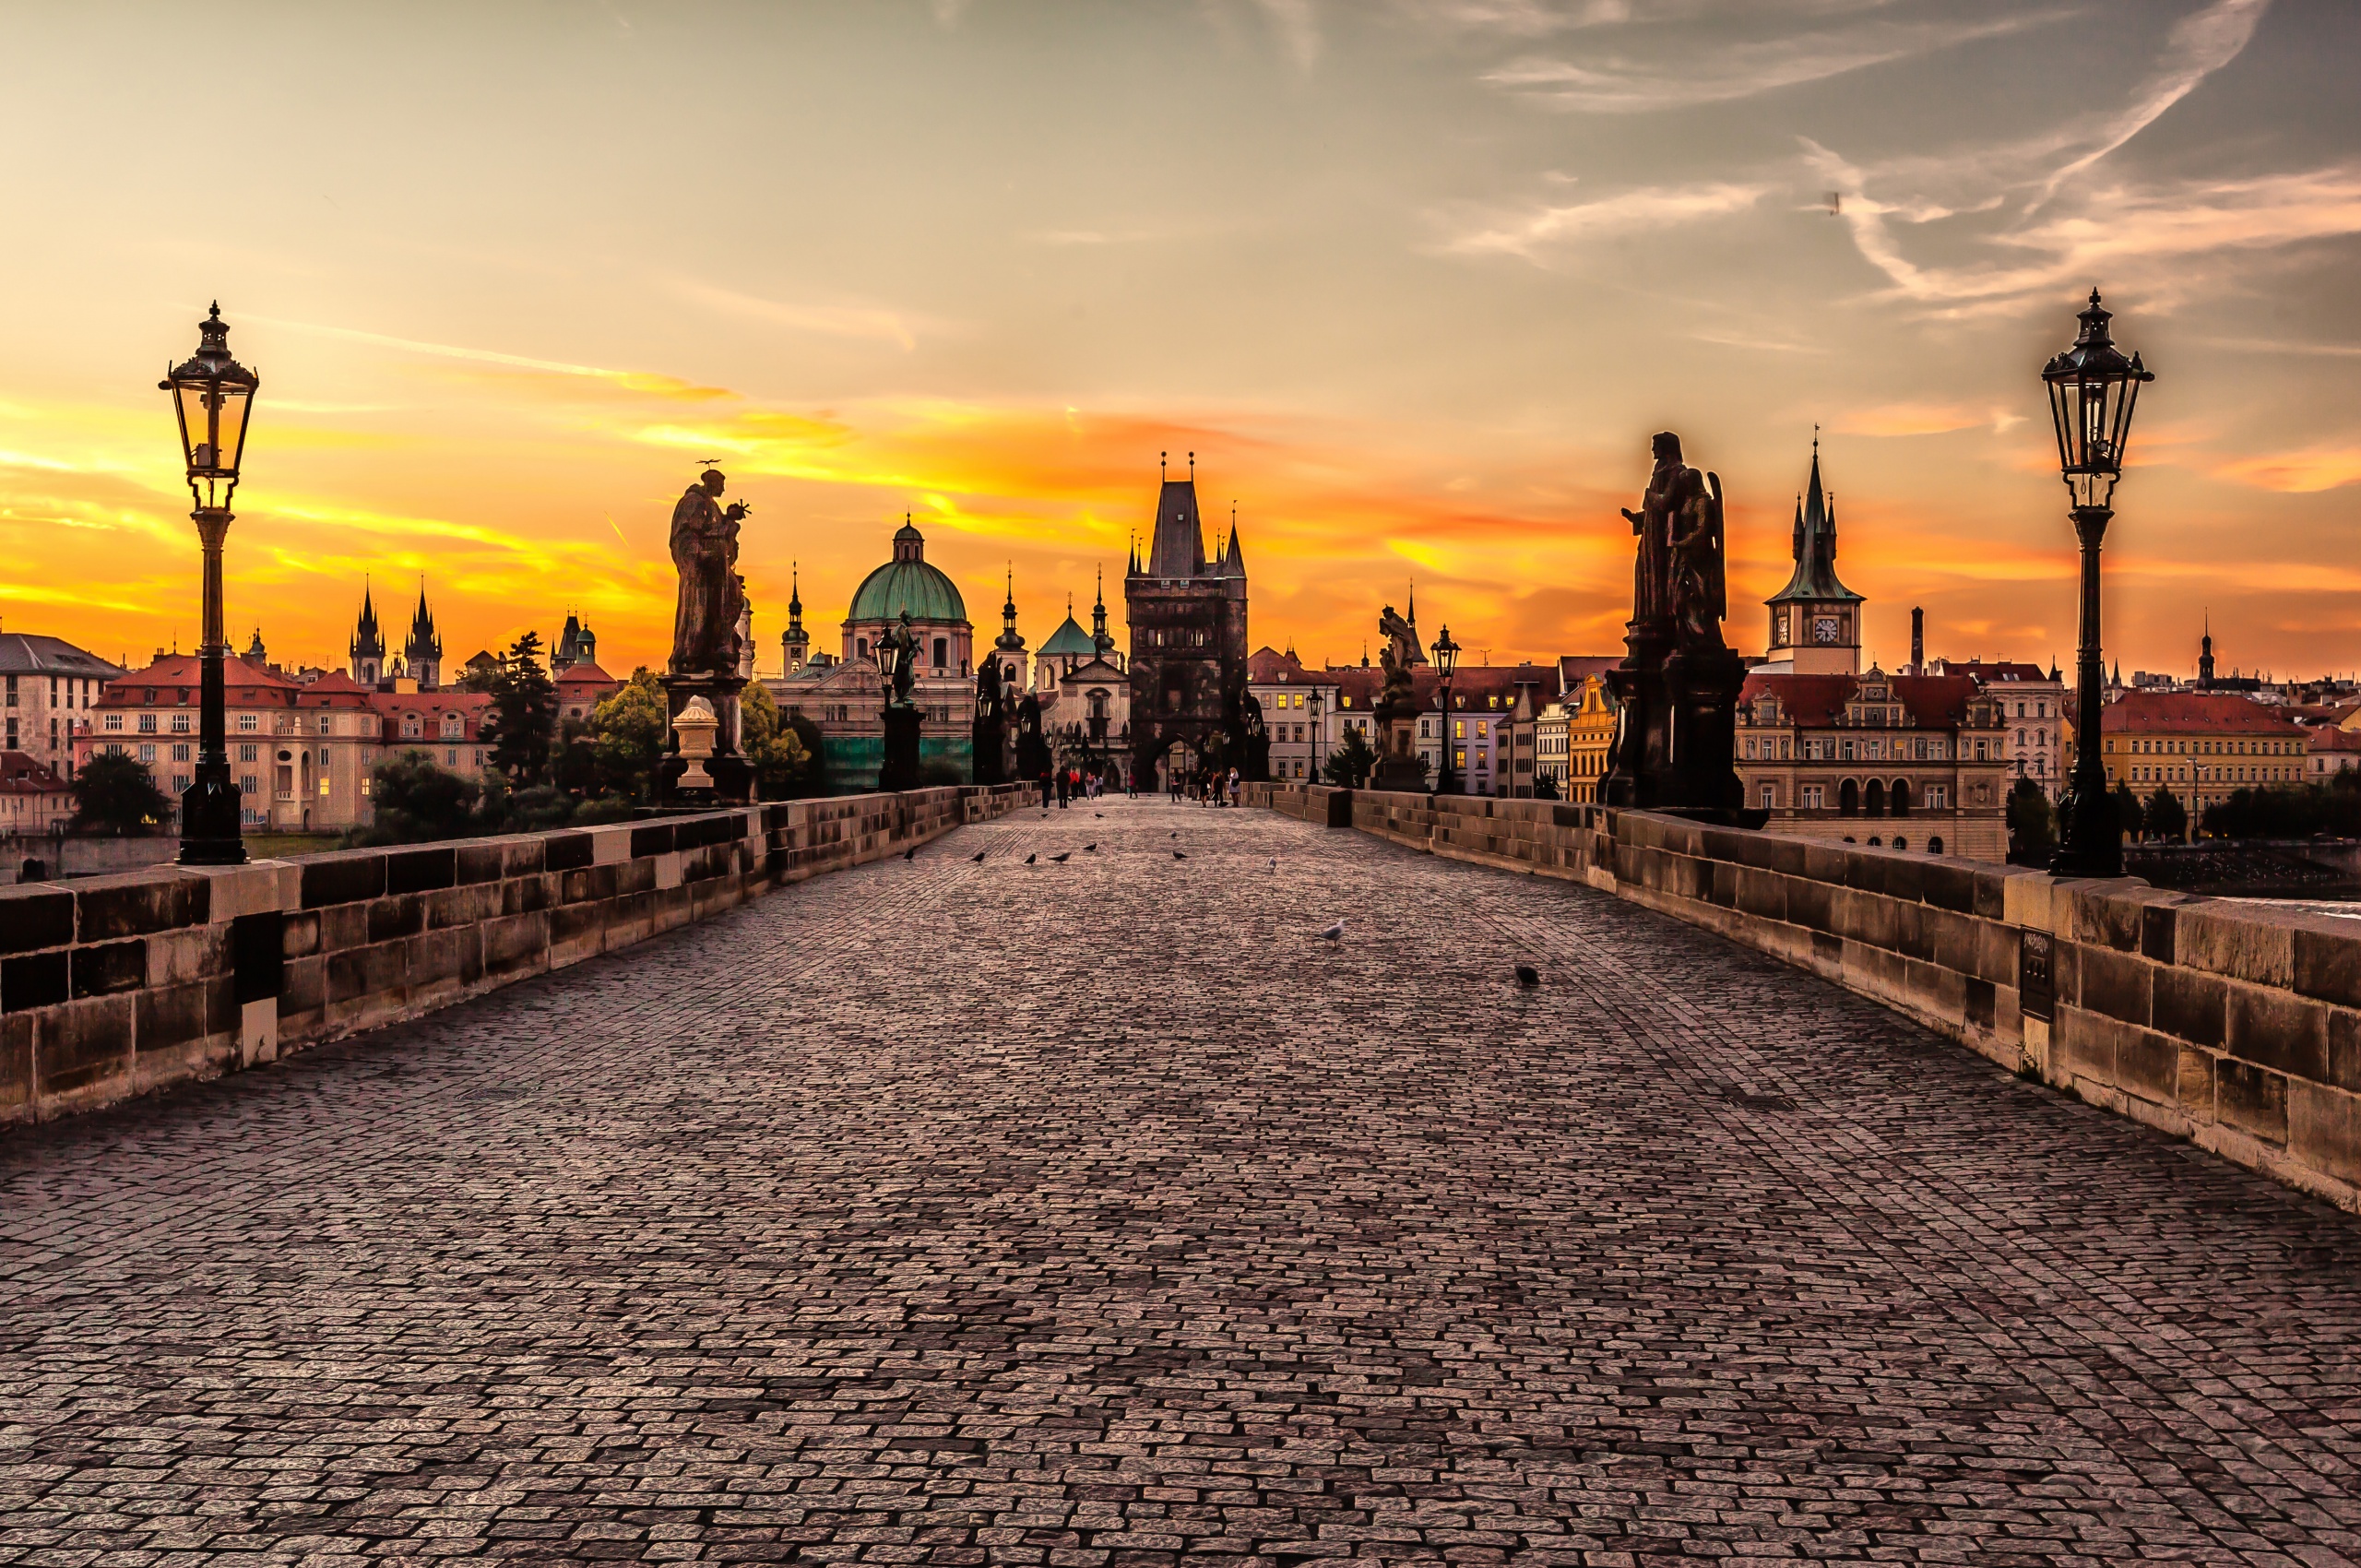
[[630, 730], [1349, 766], [1545, 787], [115, 793], [522, 726], [2165, 817], [416, 802], [2127, 811], [2033, 825], [780, 761], [815, 767]]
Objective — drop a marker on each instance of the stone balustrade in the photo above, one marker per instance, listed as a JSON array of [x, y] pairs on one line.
[[2232, 1024], [118, 985]]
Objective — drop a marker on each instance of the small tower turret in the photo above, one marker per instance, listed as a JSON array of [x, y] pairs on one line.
[[795, 643], [368, 646]]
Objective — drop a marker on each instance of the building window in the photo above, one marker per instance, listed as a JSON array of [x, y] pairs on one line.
[[1815, 798], [1770, 796], [246, 754], [147, 753], [179, 754], [180, 723], [114, 721], [247, 721], [147, 724]]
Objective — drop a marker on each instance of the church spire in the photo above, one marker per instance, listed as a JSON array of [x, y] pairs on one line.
[[795, 593]]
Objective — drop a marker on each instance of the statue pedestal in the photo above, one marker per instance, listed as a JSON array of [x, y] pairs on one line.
[[1397, 766], [1675, 731], [900, 769], [730, 777]]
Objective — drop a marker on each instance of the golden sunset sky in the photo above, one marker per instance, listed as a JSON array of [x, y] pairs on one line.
[[1414, 279]]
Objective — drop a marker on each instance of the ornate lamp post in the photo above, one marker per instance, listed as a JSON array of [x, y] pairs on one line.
[[212, 396], [1446, 654], [2092, 389], [1311, 769]]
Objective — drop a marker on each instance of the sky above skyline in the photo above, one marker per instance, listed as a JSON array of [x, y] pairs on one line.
[[1414, 280]]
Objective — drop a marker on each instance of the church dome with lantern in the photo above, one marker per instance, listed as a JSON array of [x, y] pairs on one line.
[[908, 583]]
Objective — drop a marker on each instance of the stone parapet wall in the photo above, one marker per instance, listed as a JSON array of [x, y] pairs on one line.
[[119, 985], [2232, 1024]]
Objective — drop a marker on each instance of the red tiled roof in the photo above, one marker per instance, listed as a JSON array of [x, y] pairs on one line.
[[335, 689], [21, 774], [1265, 665], [2335, 740], [584, 672], [1935, 702], [246, 684], [1990, 672], [2193, 713]]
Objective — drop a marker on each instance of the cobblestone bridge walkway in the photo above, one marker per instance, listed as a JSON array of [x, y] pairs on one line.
[[1099, 1214]]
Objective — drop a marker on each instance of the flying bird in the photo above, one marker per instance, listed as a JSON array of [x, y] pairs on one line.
[[1527, 976], [1030, 859], [1334, 933], [1061, 859]]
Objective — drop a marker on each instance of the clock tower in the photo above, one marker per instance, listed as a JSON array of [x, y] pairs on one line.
[[1815, 620]]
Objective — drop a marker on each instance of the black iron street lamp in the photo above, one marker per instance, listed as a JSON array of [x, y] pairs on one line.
[[1311, 770], [212, 398], [1446, 654], [2092, 389]]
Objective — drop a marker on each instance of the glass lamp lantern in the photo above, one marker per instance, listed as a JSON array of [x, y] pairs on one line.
[[212, 398], [2093, 389]]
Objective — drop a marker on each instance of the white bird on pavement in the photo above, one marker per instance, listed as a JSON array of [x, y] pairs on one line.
[[1334, 933]]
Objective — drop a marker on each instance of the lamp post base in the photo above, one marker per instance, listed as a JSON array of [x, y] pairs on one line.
[[210, 831], [900, 770]]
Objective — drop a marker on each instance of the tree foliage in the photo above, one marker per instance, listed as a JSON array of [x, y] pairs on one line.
[[629, 731], [2127, 811], [521, 726], [782, 763], [116, 795], [2033, 825], [417, 801], [1349, 766], [2164, 816], [2290, 811]]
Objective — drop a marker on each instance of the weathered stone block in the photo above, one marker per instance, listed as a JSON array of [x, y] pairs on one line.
[[2156, 931], [2100, 918], [2188, 1005], [568, 851], [1811, 903], [420, 869], [105, 968], [516, 944], [2327, 964], [2252, 1099], [16, 1063], [2148, 1065], [478, 860], [2324, 1131], [363, 973], [1951, 939], [527, 895], [35, 979], [113, 907], [2221, 939], [33, 917], [2195, 1084], [390, 920], [576, 930], [2116, 984], [2277, 1029], [302, 988], [343, 926], [346, 877], [83, 1045], [2085, 1044], [2345, 1049], [300, 932], [1762, 894], [168, 1019]]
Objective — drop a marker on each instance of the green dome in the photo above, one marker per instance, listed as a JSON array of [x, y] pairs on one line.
[[908, 583], [1069, 638]]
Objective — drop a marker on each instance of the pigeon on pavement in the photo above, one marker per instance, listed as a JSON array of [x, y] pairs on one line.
[[1527, 976], [979, 856], [1178, 856], [911, 853], [1334, 933], [1061, 859], [1028, 859], [1090, 849]]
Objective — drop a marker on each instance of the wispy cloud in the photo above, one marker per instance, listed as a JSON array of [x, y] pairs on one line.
[[638, 381], [1923, 419], [2199, 45], [1608, 82], [868, 322], [2313, 469], [1531, 232]]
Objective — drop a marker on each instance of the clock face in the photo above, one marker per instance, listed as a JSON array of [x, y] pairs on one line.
[[1823, 629]]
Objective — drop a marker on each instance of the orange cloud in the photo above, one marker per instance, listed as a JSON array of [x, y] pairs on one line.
[[2298, 473]]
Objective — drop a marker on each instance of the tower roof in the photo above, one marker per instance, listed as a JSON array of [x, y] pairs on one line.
[[368, 642], [1815, 547], [1178, 548], [1069, 638]]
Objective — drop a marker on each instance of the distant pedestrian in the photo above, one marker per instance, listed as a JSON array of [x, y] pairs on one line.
[[1233, 785], [1045, 788], [1062, 789]]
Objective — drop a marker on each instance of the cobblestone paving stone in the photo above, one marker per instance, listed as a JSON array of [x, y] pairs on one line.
[[1099, 1214]]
